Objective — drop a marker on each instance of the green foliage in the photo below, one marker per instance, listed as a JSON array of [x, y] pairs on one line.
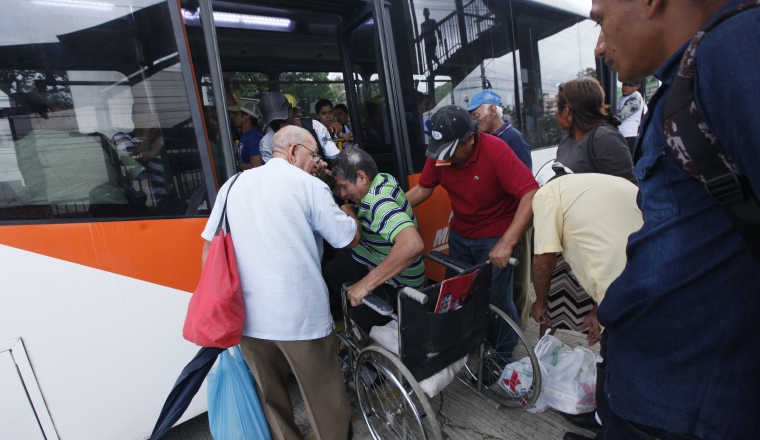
[[308, 91]]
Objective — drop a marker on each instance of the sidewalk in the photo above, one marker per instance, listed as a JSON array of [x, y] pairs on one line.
[[464, 415]]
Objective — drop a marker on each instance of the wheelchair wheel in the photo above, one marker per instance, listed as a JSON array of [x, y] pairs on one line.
[[392, 402], [491, 357]]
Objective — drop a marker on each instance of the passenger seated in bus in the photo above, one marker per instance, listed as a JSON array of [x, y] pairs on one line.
[[373, 128], [278, 113], [324, 110], [588, 218], [145, 145], [340, 113], [387, 258], [245, 117]]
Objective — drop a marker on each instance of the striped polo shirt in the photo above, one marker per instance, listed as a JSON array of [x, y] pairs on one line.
[[383, 213]]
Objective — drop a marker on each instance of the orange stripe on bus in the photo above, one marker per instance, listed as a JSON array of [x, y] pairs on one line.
[[433, 220], [165, 252]]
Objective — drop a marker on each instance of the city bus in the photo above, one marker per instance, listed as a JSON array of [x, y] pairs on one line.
[[114, 139]]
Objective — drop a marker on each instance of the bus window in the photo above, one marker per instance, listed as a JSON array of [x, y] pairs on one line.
[[362, 50], [95, 130], [310, 87], [521, 50], [563, 56]]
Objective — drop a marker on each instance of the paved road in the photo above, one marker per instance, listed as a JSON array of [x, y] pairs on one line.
[[463, 415]]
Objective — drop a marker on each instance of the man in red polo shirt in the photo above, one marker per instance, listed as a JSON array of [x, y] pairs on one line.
[[491, 194]]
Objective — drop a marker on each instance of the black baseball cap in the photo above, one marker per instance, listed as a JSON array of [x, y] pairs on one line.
[[274, 106], [448, 127]]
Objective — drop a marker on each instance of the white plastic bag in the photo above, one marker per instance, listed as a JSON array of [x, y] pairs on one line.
[[570, 386], [549, 349], [517, 378]]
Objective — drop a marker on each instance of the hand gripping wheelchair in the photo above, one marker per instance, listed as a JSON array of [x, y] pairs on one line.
[[385, 386]]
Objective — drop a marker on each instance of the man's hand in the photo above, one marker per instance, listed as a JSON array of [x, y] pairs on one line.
[[592, 324], [349, 209], [356, 292], [538, 310], [320, 170], [500, 254], [335, 127]]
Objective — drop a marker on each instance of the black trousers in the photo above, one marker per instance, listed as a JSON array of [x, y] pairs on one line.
[[344, 269]]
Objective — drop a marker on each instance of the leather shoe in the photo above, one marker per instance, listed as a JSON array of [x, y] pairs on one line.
[[574, 436], [583, 420]]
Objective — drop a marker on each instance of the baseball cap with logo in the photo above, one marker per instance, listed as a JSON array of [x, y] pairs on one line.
[[249, 107], [274, 106], [486, 96], [448, 127]]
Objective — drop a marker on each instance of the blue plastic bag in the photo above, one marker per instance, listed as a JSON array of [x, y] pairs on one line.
[[234, 410]]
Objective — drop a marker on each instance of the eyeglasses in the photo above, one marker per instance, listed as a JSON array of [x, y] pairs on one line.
[[314, 156]]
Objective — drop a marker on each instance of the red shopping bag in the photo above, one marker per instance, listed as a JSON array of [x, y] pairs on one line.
[[216, 314]]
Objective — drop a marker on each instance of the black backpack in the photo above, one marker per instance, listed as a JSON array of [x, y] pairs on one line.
[[699, 152], [308, 125]]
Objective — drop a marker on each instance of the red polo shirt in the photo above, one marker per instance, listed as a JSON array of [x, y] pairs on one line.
[[484, 191]]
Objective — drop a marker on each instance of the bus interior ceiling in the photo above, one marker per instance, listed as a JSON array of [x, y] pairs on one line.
[[309, 44]]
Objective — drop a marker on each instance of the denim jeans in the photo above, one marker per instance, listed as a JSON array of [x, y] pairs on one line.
[[475, 251]]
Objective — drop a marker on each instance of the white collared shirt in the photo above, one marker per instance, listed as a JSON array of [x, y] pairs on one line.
[[278, 215]]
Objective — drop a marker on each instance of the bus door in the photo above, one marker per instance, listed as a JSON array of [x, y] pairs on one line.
[[387, 108]]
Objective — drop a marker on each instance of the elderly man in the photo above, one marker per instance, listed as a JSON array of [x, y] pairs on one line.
[[682, 347], [588, 218], [485, 108], [388, 255], [278, 216], [491, 193]]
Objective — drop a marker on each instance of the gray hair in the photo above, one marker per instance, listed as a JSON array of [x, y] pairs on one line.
[[352, 160], [287, 136], [499, 111]]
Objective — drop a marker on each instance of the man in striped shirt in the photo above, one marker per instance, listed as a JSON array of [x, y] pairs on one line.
[[388, 255]]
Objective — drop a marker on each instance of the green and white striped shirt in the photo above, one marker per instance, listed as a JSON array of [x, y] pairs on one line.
[[383, 213]]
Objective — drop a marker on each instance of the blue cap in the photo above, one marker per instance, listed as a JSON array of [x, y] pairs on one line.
[[486, 96]]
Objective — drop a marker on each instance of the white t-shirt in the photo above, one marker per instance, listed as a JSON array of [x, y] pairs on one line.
[[278, 215], [588, 217], [325, 139], [630, 109]]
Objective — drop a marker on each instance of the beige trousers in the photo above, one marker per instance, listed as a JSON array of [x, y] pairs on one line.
[[521, 283], [315, 365]]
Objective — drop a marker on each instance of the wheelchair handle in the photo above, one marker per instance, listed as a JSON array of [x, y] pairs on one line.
[[512, 261], [415, 295]]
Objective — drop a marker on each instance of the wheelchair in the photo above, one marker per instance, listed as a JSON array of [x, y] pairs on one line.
[[384, 387]]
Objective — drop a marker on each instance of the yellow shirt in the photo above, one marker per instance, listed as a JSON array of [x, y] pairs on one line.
[[587, 217]]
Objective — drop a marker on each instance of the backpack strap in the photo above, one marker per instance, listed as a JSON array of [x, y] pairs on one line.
[[590, 154], [696, 148], [308, 125]]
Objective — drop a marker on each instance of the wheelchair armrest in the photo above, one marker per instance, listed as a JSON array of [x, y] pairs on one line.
[[378, 304], [415, 295], [452, 263]]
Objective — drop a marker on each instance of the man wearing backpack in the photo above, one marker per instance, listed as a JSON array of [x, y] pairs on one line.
[[682, 359], [279, 112]]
